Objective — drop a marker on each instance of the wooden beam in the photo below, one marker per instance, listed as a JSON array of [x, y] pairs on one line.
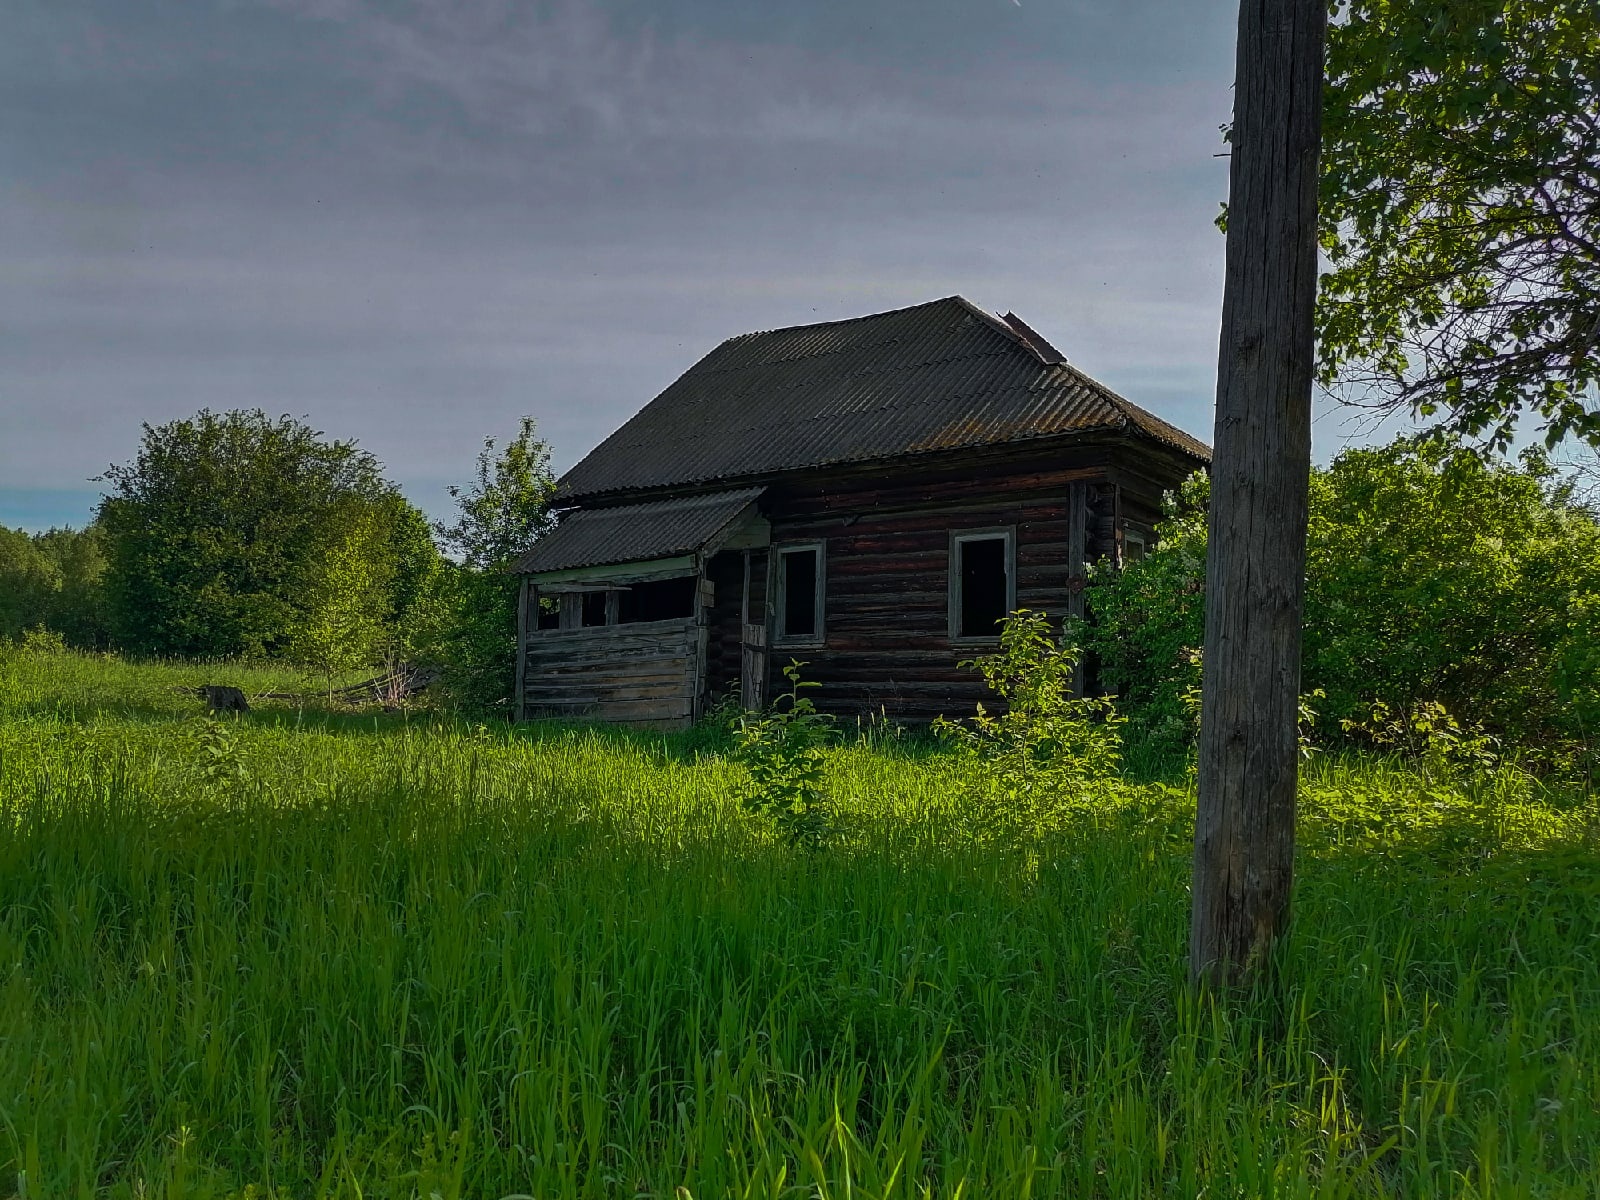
[[1077, 563], [523, 603]]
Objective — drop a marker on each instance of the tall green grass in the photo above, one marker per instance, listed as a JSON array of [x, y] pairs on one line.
[[396, 957]]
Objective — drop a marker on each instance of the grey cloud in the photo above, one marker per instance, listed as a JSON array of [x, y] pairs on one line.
[[413, 222]]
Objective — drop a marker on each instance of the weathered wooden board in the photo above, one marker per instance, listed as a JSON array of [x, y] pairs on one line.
[[637, 674]]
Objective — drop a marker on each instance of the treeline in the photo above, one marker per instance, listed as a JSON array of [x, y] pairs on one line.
[[238, 535], [1447, 594]]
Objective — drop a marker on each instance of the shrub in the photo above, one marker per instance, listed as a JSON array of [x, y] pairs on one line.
[[1433, 576], [782, 748], [1031, 764]]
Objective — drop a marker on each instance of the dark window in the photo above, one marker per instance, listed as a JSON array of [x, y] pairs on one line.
[[984, 586], [658, 600], [549, 613], [799, 588], [594, 608]]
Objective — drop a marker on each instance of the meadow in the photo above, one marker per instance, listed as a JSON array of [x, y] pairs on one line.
[[392, 955]]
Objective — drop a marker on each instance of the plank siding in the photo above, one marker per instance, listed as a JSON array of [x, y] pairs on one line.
[[637, 674]]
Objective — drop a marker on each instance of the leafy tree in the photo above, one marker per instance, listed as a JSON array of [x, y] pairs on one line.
[[218, 531], [1461, 212], [507, 507], [27, 579], [53, 580], [472, 606]]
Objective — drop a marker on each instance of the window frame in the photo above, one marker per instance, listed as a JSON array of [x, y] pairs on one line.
[[779, 594], [1006, 533]]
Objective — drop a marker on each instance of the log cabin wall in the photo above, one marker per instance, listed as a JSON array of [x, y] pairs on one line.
[[887, 534]]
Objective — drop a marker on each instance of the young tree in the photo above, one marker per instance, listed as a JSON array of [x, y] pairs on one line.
[[347, 598], [507, 507], [1255, 578], [500, 515], [1461, 213]]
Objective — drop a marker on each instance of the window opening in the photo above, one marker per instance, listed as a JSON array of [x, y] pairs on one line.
[[800, 593], [658, 600], [983, 585], [594, 608], [549, 615]]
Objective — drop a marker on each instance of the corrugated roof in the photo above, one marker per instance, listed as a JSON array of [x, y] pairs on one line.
[[938, 376], [594, 537]]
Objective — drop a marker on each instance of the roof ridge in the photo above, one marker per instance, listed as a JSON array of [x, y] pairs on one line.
[[888, 312]]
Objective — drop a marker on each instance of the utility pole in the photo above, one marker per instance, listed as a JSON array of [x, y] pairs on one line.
[[1255, 567]]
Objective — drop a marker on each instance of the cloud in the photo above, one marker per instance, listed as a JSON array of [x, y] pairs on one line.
[[413, 222]]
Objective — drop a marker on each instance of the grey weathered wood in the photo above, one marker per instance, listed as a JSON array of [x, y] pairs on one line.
[[524, 602], [1255, 572], [1077, 562], [753, 666], [643, 673]]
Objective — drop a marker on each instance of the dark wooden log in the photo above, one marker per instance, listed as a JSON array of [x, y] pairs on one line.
[[1255, 572]]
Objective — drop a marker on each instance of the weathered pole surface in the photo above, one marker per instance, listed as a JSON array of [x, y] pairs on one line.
[[1255, 568]]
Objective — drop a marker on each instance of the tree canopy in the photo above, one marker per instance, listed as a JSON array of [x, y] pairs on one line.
[[1461, 213], [222, 534], [1432, 575]]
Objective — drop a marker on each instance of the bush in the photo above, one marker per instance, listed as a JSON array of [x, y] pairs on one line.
[[1030, 765], [782, 748], [1433, 576]]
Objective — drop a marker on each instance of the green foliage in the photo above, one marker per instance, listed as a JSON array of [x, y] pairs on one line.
[[782, 748], [409, 958], [472, 606], [1433, 576], [218, 761], [1046, 753], [1461, 212], [221, 531], [346, 603], [1428, 738], [506, 508], [53, 580], [1149, 624]]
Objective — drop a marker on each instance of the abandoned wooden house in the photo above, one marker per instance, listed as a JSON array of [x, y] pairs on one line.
[[870, 496]]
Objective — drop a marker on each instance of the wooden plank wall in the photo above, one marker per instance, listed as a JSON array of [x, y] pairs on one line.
[[887, 608], [643, 674]]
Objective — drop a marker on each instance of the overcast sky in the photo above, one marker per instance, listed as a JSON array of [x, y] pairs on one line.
[[414, 221]]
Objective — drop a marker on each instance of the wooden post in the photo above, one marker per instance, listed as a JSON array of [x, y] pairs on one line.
[[1077, 562], [524, 600], [1255, 568]]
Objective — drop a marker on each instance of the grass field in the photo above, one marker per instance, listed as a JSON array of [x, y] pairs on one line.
[[382, 956]]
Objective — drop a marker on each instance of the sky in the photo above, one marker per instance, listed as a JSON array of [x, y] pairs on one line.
[[410, 222]]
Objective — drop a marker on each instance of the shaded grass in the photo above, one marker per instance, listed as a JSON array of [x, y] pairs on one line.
[[561, 962]]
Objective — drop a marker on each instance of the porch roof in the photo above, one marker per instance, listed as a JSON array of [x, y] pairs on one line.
[[656, 529]]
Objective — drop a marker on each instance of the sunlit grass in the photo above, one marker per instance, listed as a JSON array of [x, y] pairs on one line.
[[397, 956]]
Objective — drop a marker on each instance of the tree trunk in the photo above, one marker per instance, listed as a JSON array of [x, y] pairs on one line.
[[1255, 570]]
